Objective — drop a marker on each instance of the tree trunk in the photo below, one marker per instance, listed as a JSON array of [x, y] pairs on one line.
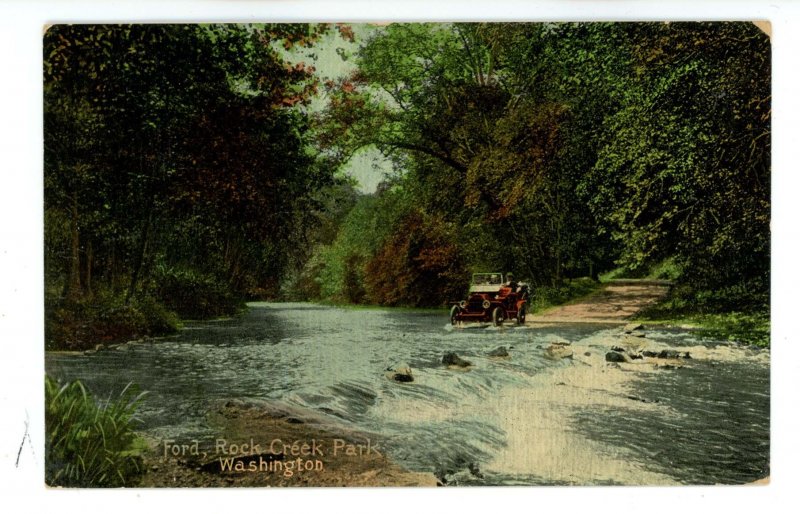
[[74, 277], [137, 269], [112, 269], [87, 283]]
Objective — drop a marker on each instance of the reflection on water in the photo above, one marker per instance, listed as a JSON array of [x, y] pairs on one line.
[[526, 419]]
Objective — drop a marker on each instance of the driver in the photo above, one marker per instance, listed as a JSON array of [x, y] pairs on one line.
[[511, 282]]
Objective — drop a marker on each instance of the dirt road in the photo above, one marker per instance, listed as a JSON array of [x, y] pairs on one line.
[[614, 304]]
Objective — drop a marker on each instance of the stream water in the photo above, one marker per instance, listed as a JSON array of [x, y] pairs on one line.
[[526, 419]]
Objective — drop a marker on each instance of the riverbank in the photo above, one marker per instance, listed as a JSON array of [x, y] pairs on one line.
[[648, 302], [258, 444], [740, 327]]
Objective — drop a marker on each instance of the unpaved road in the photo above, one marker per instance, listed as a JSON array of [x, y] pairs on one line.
[[614, 304]]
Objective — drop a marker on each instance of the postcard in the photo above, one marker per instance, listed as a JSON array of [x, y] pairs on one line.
[[407, 254]]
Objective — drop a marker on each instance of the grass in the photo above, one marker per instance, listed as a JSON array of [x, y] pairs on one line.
[[740, 327], [751, 327], [89, 444]]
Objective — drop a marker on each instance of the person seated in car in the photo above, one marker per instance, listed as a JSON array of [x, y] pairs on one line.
[[512, 283]]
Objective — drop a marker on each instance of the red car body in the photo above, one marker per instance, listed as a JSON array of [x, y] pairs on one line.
[[492, 300]]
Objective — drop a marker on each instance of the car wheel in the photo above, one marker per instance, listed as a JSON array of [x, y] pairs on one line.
[[455, 311], [521, 316], [498, 315]]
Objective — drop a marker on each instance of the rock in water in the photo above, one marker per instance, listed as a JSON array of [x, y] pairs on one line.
[[615, 357], [400, 373], [558, 350], [668, 354], [451, 359], [632, 327], [499, 352]]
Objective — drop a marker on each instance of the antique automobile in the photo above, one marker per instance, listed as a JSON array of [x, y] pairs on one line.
[[492, 299]]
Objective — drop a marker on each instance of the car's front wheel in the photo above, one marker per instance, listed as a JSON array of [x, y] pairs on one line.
[[498, 316], [454, 312]]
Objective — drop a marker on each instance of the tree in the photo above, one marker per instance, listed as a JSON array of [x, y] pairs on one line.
[[165, 143]]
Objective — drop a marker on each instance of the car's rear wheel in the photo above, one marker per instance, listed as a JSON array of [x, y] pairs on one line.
[[454, 312], [521, 315], [498, 316]]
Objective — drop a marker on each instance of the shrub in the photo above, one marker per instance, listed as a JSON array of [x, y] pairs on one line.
[[158, 319], [194, 294], [90, 445], [79, 325], [544, 297]]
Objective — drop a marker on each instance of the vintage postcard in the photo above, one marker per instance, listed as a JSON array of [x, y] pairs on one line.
[[407, 254]]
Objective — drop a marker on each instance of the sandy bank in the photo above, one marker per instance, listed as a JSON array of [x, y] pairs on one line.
[[257, 444]]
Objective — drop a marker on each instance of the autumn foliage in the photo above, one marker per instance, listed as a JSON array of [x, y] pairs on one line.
[[420, 265]]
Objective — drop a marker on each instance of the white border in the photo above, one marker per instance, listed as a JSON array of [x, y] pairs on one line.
[[21, 282]]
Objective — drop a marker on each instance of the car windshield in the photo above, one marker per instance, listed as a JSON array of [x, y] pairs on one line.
[[487, 279]]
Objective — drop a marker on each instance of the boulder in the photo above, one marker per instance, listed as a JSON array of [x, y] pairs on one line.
[[615, 357], [500, 351], [632, 327], [558, 351], [400, 373], [648, 353], [669, 354], [451, 359]]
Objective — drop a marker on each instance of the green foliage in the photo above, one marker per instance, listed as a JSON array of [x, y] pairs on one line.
[[158, 318], [719, 315], [667, 269], [91, 445], [177, 144], [178, 154], [366, 227], [193, 294], [104, 318], [544, 297], [684, 170], [744, 328], [565, 150]]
